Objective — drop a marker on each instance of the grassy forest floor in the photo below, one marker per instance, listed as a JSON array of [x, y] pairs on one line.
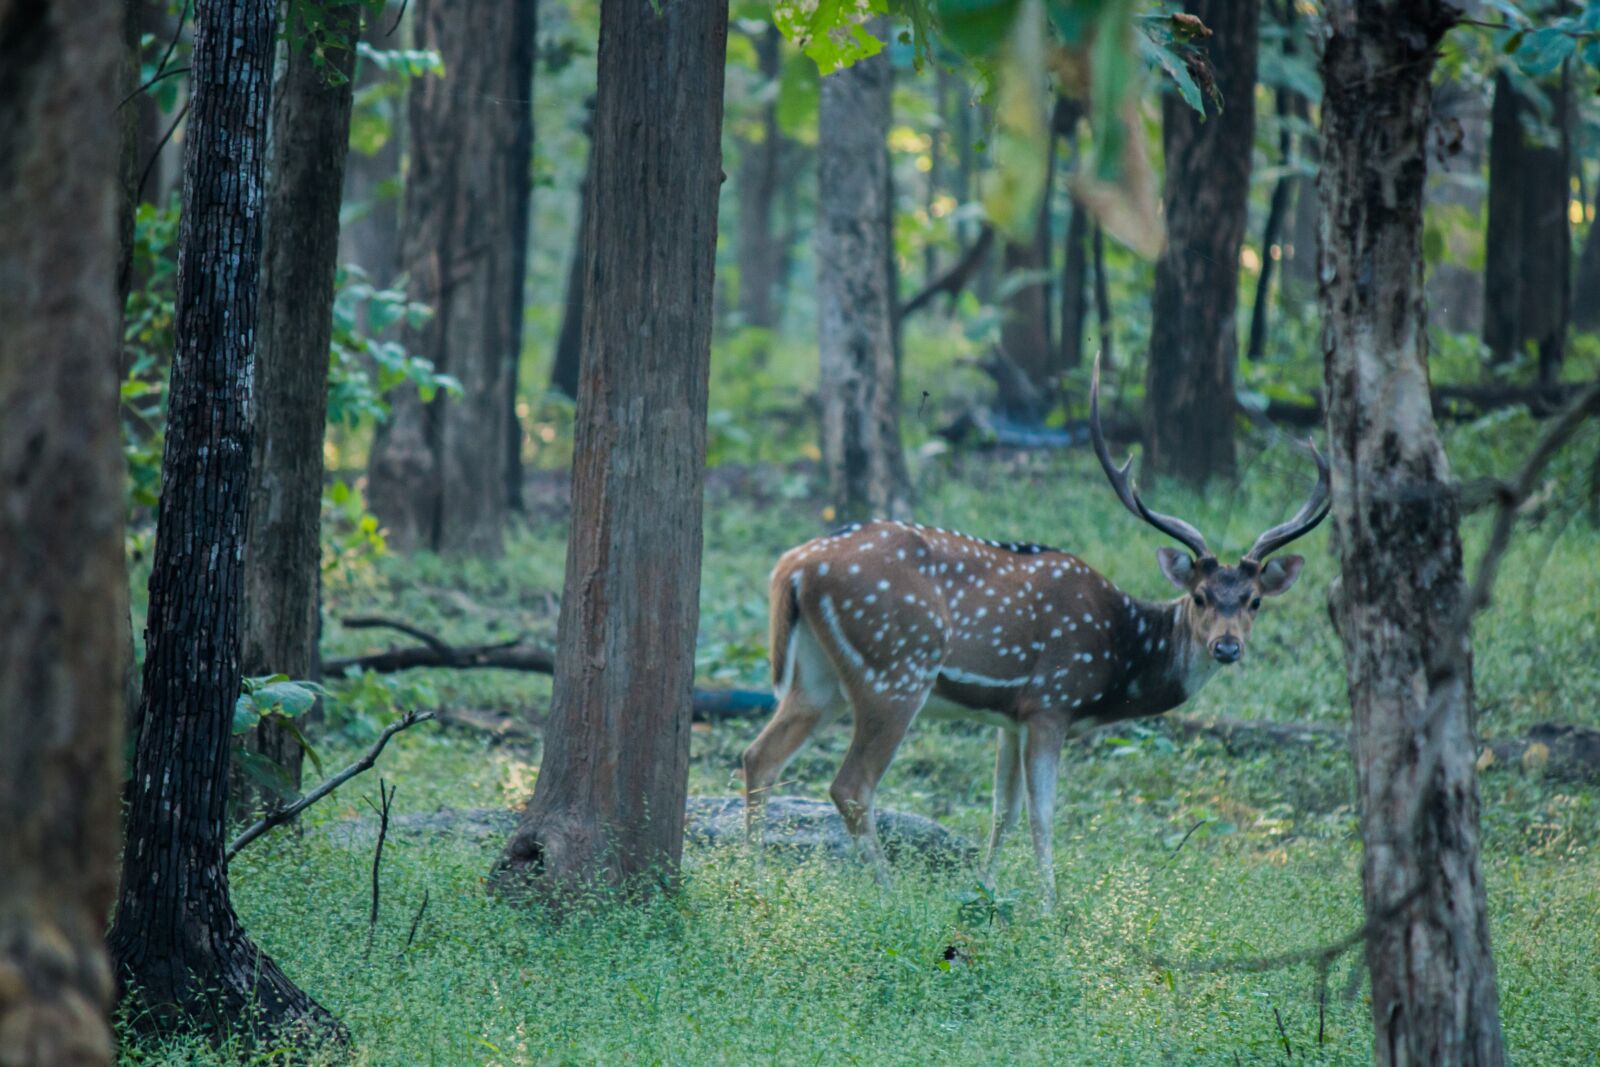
[[810, 962]]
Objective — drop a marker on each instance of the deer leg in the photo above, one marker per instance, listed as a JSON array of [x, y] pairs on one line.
[[879, 728], [767, 755], [1042, 760], [1007, 792]]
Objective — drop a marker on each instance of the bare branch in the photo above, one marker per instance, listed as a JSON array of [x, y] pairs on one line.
[[287, 814]]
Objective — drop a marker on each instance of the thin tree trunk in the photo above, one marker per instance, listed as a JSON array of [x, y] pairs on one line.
[[569, 343], [64, 583], [1075, 258], [1399, 602], [1102, 300], [1025, 314], [1287, 104], [759, 159], [283, 551], [371, 239], [609, 805], [518, 160], [855, 334], [178, 947], [437, 478], [1528, 243], [1193, 341]]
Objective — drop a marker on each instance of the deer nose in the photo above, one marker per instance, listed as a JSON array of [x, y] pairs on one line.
[[1226, 650]]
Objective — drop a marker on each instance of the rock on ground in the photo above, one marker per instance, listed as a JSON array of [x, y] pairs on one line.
[[795, 826]]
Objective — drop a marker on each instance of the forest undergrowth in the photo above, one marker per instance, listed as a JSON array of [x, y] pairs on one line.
[[1178, 862]]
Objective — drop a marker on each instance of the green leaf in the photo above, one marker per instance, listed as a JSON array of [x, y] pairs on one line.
[[245, 715], [1158, 54], [831, 32], [305, 746], [291, 699]]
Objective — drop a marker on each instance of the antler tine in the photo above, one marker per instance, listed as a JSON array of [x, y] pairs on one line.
[[1313, 511], [1118, 476]]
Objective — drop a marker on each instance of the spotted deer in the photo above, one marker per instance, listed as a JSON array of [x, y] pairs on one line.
[[897, 619]]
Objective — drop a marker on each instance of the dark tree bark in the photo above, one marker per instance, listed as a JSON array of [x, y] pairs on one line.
[[1528, 247], [63, 582], [177, 944], [370, 238], [569, 343], [855, 335], [437, 478], [609, 805], [1586, 285], [519, 164], [1102, 299], [760, 252], [1075, 258], [283, 549], [1400, 602], [1188, 429]]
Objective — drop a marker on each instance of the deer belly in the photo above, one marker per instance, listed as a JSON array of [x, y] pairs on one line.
[[943, 709]]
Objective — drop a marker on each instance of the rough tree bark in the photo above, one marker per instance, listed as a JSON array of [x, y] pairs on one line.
[[760, 251], [855, 334], [1399, 602], [63, 582], [1188, 426], [177, 944], [437, 477], [609, 805], [1527, 246], [569, 343], [283, 549]]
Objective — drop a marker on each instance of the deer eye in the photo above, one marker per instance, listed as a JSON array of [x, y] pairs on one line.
[[1255, 605], [1199, 598]]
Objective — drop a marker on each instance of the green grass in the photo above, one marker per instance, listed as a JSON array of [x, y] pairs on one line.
[[811, 963]]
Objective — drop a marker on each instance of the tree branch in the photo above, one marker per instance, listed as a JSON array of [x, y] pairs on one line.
[[280, 816], [954, 280]]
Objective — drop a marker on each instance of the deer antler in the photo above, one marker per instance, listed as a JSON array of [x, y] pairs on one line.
[[1174, 528], [1313, 511]]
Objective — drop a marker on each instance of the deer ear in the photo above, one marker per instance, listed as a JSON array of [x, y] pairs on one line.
[[1279, 574], [1177, 566]]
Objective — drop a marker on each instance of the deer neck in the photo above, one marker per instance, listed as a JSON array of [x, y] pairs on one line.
[[1159, 665]]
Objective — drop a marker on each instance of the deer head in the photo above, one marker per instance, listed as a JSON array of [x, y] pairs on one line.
[[1220, 601]]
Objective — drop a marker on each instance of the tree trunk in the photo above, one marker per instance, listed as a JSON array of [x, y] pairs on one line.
[[283, 551], [1025, 313], [1586, 286], [1188, 429], [1399, 604], [518, 159], [63, 583], [759, 251], [178, 946], [860, 416], [1528, 248], [371, 237], [438, 470], [569, 343], [609, 805], [1102, 298], [1075, 260], [1459, 131]]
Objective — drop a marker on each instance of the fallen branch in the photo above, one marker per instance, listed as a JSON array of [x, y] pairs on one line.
[[710, 705], [1541, 400], [278, 817]]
